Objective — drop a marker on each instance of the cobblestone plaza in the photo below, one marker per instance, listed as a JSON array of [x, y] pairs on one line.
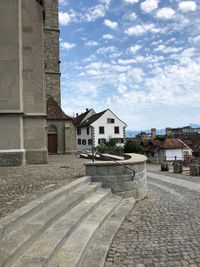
[[162, 230]]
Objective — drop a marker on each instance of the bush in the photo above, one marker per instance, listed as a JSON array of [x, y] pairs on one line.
[[111, 143], [102, 148], [132, 147]]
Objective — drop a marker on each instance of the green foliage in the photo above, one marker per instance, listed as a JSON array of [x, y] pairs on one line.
[[111, 143], [102, 148], [133, 147]]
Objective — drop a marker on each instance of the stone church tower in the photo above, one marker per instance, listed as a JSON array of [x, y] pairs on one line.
[[51, 50], [29, 70]]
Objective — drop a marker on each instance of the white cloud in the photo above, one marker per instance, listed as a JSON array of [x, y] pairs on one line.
[[149, 5], [97, 11], [141, 29], [134, 49], [108, 36], [164, 49], [106, 50], [67, 46], [132, 16], [126, 61], [187, 6], [111, 24], [63, 2], [119, 68], [91, 43], [65, 18], [107, 2], [132, 2], [195, 39], [165, 13]]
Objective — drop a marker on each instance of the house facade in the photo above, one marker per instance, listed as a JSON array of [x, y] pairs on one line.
[[98, 129], [169, 149]]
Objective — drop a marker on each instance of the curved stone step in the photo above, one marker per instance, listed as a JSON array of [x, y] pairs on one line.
[[53, 239], [74, 248], [14, 244], [13, 220], [96, 252]]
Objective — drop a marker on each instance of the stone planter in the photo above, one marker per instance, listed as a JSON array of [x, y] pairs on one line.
[[164, 167], [178, 168], [119, 178], [194, 170]]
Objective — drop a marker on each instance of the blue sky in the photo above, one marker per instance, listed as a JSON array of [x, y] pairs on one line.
[[140, 58]]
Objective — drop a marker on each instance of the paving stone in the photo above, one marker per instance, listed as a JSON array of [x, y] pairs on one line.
[[162, 230], [22, 184]]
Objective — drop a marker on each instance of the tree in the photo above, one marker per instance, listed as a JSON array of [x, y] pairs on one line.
[[133, 147]]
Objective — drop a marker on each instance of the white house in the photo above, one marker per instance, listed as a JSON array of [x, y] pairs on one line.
[[169, 149], [96, 128]]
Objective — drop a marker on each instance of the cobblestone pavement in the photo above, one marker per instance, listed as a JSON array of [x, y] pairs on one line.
[[162, 230], [19, 185]]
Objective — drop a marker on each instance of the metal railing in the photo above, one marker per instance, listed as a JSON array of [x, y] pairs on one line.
[[95, 152]]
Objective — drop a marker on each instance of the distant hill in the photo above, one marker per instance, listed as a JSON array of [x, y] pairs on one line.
[[194, 125]]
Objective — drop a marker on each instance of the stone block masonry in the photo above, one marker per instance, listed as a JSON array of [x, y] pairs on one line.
[[51, 50], [22, 90], [119, 178]]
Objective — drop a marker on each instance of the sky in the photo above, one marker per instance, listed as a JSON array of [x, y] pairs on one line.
[[139, 58]]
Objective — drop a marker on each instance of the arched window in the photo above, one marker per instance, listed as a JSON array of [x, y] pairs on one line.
[[52, 129]]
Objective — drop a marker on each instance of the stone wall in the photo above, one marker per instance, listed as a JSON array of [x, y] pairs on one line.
[[119, 178], [51, 50], [22, 90]]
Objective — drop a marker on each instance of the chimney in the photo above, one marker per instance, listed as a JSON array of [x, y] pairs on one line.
[[87, 109], [168, 132], [143, 136], [153, 133], [76, 114]]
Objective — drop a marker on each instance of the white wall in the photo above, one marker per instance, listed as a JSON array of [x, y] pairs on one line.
[[108, 127], [108, 130], [85, 136], [172, 153]]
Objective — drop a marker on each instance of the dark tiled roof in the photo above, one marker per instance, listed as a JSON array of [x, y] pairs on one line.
[[91, 119], [79, 118], [54, 111]]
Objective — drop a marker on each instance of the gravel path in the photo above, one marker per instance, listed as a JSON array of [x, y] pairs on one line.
[[19, 185], [163, 230]]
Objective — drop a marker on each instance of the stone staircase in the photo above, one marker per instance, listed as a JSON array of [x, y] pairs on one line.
[[71, 226]]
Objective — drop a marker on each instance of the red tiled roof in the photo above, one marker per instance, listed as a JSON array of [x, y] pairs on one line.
[[172, 144], [54, 111]]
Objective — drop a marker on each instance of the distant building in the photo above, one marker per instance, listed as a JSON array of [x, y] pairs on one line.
[[184, 130], [96, 128], [169, 149]]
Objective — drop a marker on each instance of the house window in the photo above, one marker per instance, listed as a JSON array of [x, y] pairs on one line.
[[116, 129], [101, 130], [88, 130], [79, 141], [109, 120], [101, 141], [83, 142], [89, 142], [79, 131]]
